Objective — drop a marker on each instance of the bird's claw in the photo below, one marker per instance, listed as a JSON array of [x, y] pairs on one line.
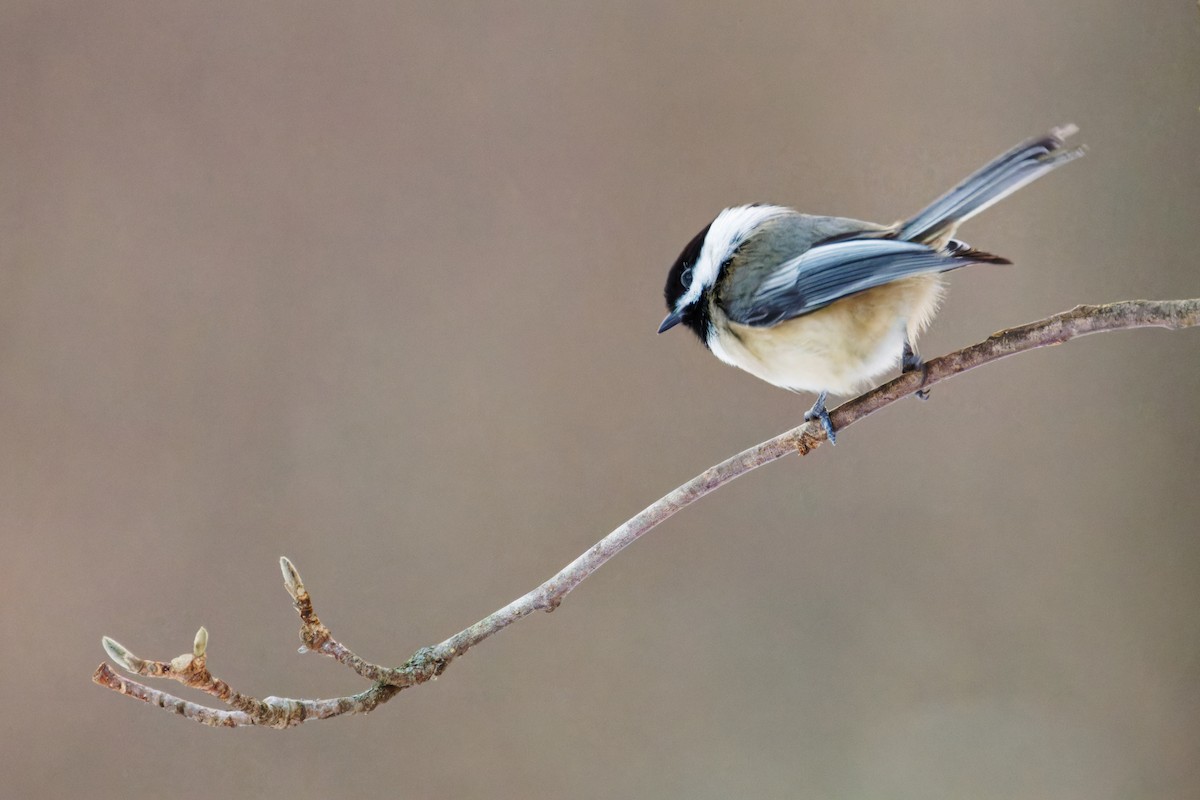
[[819, 412], [911, 362]]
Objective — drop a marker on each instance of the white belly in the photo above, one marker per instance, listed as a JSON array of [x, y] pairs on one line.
[[839, 348]]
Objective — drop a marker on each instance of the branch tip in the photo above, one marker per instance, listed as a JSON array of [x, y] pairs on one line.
[[291, 578], [200, 643], [117, 652]]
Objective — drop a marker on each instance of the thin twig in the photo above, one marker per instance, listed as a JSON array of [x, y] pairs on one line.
[[191, 669], [429, 662]]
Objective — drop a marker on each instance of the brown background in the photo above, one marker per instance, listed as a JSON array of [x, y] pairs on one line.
[[375, 286]]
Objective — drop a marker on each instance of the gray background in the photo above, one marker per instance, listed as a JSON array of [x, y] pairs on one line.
[[375, 286]]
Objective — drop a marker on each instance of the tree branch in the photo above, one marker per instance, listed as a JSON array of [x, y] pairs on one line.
[[429, 662], [191, 669]]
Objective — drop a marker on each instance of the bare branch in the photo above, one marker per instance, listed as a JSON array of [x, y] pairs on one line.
[[191, 670], [1060, 328], [272, 712], [215, 717], [317, 639], [285, 712], [429, 662]]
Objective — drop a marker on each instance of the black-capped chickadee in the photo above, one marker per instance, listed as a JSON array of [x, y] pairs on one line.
[[826, 304]]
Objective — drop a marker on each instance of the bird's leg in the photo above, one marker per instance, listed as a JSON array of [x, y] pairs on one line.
[[819, 412], [911, 362]]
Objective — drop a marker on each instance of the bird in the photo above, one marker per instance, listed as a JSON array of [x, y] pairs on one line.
[[827, 304]]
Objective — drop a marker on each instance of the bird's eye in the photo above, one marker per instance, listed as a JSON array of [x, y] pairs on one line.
[[686, 278]]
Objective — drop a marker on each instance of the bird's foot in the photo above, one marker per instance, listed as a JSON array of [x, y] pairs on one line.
[[911, 362], [819, 412]]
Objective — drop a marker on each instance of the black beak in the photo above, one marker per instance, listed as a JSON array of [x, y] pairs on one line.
[[673, 319]]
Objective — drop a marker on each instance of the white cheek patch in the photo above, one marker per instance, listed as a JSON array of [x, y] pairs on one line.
[[726, 234]]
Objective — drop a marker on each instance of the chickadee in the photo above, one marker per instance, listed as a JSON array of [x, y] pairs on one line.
[[826, 304]]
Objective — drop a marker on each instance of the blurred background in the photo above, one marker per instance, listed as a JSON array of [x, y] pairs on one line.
[[375, 286]]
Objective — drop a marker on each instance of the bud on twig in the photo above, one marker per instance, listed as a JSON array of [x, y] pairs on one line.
[[200, 643], [117, 652], [291, 578]]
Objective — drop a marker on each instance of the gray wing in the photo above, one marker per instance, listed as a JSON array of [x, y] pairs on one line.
[[829, 272]]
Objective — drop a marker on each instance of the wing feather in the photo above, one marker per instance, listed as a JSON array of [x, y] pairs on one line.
[[829, 272]]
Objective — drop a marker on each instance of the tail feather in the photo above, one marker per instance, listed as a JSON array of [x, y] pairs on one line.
[[960, 249], [998, 179]]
